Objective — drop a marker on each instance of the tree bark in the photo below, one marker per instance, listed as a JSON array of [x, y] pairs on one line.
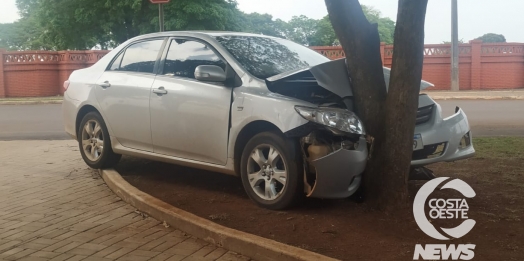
[[402, 100], [361, 43], [389, 118]]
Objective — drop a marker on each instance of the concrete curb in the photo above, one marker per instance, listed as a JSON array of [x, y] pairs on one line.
[[255, 247], [30, 102]]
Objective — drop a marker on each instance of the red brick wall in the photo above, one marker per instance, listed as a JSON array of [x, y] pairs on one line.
[[2, 80], [40, 73], [482, 66]]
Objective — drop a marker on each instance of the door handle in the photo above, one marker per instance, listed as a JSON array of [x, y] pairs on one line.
[[105, 84], [160, 91]]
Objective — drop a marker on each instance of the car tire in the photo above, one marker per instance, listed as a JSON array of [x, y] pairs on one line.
[[271, 171], [94, 142]]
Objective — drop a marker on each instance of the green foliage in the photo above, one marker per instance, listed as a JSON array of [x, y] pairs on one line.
[[311, 32], [25, 34], [386, 26], [492, 38], [87, 24], [302, 29], [84, 24], [263, 24], [325, 35]]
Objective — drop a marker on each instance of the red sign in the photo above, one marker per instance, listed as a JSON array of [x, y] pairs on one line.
[[159, 1]]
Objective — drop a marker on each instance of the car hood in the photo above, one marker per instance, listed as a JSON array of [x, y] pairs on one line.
[[330, 76]]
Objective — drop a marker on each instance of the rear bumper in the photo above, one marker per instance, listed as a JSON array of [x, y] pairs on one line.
[[442, 138], [69, 112]]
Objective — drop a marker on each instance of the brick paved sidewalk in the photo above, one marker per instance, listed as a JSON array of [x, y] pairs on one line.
[[53, 207]]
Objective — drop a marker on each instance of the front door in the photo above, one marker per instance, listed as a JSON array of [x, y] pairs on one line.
[[123, 93], [189, 118]]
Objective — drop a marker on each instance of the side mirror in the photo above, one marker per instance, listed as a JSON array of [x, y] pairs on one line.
[[210, 73]]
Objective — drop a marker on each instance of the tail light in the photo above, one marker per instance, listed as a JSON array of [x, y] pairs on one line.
[[66, 85]]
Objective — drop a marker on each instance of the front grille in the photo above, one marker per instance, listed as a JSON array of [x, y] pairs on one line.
[[424, 114], [430, 151]]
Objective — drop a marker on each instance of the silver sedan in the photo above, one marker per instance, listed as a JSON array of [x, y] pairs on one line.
[[271, 111]]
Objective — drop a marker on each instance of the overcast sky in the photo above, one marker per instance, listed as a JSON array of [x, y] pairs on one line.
[[476, 17]]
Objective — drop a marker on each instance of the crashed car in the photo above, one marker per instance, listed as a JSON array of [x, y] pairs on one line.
[[271, 111]]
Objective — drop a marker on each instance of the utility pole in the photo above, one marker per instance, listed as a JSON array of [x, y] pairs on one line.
[[454, 47]]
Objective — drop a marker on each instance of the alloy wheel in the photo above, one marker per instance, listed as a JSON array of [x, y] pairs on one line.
[[267, 172], [93, 140]]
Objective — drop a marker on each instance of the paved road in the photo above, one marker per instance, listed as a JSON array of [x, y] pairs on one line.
[[490, 117], [32, 122], [44, 122], [53, 207]]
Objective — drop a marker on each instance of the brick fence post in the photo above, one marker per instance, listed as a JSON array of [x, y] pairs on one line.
[[382, 51], [2, 77], [476, 67]]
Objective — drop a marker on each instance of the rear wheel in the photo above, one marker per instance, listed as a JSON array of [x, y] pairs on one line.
[[271, 171], [95, 144]]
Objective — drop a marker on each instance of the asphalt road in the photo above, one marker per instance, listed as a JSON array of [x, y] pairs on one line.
[[490, 117], [44, 122]]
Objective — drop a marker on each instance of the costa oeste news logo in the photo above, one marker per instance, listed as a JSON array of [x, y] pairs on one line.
[[444, 209]]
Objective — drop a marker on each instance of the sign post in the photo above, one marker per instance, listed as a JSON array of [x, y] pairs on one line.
[[160, 4]]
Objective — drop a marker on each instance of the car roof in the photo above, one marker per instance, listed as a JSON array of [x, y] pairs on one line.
[[199, 34]]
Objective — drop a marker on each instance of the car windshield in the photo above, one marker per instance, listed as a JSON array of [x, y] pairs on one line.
[[265, 57]]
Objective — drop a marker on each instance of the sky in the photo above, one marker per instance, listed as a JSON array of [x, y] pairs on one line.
[[476, 17]]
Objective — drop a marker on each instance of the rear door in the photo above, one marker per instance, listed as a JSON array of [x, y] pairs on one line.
[[123, 93], [191, 118]]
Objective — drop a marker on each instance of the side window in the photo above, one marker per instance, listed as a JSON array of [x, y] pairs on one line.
[[139, 57], [116, 63], [184, 56]]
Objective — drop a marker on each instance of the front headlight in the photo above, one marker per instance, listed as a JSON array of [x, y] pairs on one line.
[[335, 119]]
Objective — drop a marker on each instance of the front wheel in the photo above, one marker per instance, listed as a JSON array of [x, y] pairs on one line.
[[271, 171], [94, 142]]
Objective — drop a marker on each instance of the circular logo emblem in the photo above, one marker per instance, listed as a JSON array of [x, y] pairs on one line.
[[444, 208]]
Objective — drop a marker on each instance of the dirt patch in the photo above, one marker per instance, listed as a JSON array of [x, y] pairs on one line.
[[345, 229]]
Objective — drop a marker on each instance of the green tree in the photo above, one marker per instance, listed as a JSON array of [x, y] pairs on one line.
[[311, 32], [386, 26], [324, 35], [492, 38], [389, 115], [24, 34], [301, 29], [84, 24], [263, 24]]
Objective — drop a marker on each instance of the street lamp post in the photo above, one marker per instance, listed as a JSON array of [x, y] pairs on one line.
[[454, 47]]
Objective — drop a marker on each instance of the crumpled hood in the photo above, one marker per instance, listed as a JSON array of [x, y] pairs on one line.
[[331, 76], [423, 84]]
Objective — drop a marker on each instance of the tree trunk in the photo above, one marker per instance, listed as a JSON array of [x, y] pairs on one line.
[[389, 118], [402, 99], [361, 43]]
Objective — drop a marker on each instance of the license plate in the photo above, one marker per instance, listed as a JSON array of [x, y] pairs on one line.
[[417, 142]]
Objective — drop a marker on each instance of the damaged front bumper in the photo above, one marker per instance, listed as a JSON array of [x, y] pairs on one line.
[[333, 172], [338, 175], [446, 139]]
